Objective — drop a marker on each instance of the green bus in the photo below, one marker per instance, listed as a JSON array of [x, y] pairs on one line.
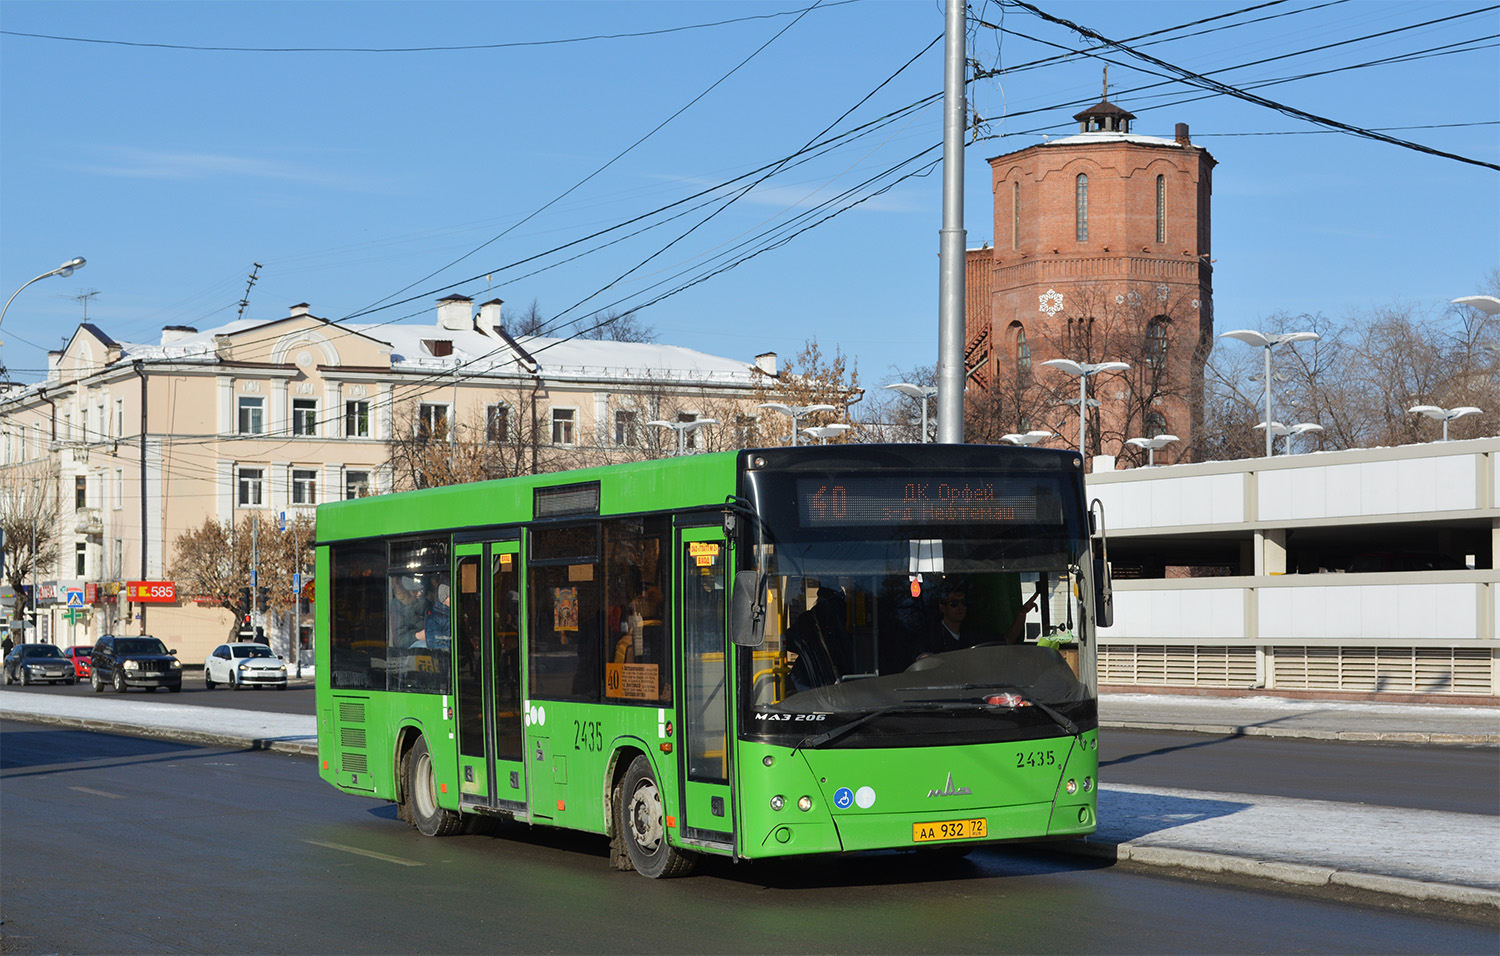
[[750, 654]]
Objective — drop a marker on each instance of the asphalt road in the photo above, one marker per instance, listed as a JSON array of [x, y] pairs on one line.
[[127, 845], [1455, 779]]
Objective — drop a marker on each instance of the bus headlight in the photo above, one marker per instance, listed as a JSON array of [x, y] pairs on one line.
[[778, 802], [1071, 787], [804, 803], [1088, 784]]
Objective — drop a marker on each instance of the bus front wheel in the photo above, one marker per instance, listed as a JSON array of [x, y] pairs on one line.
[[642, 825], [421, 795]]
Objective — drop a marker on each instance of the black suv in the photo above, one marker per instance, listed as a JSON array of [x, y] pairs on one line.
[[135, 662]]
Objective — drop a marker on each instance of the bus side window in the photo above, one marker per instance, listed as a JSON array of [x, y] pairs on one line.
[[638, 662], [357, 621]]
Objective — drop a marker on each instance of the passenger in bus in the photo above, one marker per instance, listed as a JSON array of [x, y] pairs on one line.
[[952, 630], [408, 612], [643, 638], [438, 620], [820, 642]]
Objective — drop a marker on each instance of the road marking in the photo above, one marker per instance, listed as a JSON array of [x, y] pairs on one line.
[[99, 793], [369, 853]]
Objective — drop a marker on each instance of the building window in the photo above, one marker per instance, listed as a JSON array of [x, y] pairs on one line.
[[1156, 342], [1023, 355], [356, 484], [497, 423], [119, 488], [627, 431], [304, 416], [80, 491], [80, 560], [118, 569], [1015, 216], [1161, 209], [563, 420], [690, 438], [252, 416], [432, 422], [304, 486], [68, 427], [252, 487], [119, 418], [1156, 424], [1082, 211], [744, 430], [100, 422], [356, 419], [36, 439]]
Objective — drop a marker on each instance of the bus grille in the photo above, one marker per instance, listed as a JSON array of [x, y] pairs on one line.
[[354, 763], [351, 711], [352, 737]]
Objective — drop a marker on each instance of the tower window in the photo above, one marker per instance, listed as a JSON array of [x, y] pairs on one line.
[[1156, 342], [1161, 209], [1083, 208], [1015, 216]]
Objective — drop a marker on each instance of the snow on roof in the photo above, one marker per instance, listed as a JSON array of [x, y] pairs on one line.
[[1097, 136]]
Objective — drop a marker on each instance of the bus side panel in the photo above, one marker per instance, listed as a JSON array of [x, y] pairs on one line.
[[571, 745], [358, 735]]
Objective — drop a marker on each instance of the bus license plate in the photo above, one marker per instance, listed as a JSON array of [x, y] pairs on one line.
[[948, 830]]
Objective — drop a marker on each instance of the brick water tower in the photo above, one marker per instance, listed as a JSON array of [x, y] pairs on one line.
[[1101, 254]]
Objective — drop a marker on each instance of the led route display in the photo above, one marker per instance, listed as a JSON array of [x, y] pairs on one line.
[[853, 500]]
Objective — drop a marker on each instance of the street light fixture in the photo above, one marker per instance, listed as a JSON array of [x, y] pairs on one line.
[[1445, 415], [66, 269], [1029, 438], [1151, 444], [1278, 430], [826, 432], [1084, 371], [922, 392], [1488, 304], [682, 428], [796, 411], [1269, 342]]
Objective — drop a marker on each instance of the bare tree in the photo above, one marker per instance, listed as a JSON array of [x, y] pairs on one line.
[[212, 563], [28, 515], [807, 379]]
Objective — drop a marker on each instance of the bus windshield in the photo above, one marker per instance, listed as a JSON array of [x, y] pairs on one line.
[[926, 629]]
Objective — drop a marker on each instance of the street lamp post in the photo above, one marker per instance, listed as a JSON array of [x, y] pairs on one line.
[[796, 412], [1445, 415], [682, 428], [1278, 430], [826, 432], [1084, 371], [919, 392], [66, 269], [1028, 438], [1151, 444], [1269, 342]]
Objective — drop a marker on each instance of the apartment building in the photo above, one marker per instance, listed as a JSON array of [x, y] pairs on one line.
[[133, 444]]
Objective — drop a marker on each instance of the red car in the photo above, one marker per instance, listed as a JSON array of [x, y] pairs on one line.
[[79, 654]]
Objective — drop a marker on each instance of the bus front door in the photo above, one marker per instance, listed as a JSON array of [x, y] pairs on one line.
[[707, 810], [487, 665]]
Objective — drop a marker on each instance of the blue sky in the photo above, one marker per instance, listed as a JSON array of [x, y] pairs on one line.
[[356, 178]]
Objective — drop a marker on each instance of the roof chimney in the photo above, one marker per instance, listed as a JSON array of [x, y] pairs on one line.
[[489, 316], [54, 364], [301, 308], [766, 362], [176, 333], [456, 313], [1182, 135]]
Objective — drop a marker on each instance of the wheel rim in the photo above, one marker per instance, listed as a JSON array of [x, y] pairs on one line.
[[119, 681], [423, 792], [646, 816]]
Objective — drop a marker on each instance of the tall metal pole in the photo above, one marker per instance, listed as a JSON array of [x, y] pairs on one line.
[[1083, 416], [1269, 436], [951, 253]]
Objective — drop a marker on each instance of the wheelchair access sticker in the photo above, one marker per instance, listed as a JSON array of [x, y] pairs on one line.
[[843, 798]]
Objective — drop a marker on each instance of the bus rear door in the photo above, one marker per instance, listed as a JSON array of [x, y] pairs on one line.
[[487, 665], [707, 809]]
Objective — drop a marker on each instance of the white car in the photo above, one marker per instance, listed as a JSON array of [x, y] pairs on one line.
[[244, 665]]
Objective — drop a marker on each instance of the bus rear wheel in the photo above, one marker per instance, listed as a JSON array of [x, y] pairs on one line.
[[643, 826], [421, 795]]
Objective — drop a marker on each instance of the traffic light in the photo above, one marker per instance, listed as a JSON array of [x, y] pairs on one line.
[[262, 598], [245, 600]]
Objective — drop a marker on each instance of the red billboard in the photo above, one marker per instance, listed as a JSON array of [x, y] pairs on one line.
[[151, 592]]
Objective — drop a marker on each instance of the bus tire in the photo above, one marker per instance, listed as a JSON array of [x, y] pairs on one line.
[[643, 826], [421, 794]]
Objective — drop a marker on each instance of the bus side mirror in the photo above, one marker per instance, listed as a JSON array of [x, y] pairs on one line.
[[747, 610], [1104, 594]]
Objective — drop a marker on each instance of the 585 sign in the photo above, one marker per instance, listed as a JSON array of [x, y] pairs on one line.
[[151, 592]]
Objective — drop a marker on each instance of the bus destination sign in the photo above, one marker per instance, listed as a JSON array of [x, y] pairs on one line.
[[860, 501]]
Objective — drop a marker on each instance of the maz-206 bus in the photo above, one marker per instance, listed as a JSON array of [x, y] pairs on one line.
[[749, 654]]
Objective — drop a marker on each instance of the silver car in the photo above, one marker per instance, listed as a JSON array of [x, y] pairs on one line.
[[30, 663], [244, 665]]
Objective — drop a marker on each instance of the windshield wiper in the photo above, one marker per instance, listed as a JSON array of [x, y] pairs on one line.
[[813, 743], [1057, 718]]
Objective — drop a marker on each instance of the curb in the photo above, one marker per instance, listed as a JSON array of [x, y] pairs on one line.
[[1297, 874], [294, 745], [1345, 736]]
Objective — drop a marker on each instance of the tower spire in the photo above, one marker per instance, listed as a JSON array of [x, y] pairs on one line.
[[1105, 97]]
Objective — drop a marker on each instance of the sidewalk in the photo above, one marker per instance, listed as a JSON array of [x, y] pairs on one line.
[[1419, 855]]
